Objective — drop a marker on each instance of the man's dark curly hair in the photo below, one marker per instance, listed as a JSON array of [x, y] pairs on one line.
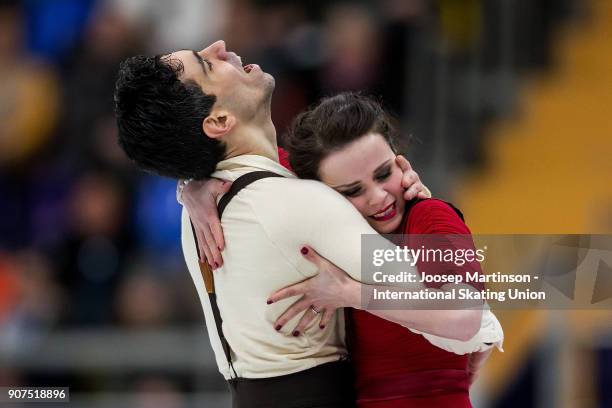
[[160, 119]]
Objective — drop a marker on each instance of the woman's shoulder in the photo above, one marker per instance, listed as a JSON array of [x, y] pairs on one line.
[[432, 214], [432, 205]]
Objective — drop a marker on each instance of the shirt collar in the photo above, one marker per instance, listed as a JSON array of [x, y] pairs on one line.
[[232, 168]]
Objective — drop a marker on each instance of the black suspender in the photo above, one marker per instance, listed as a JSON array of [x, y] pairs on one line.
[[240, 183]]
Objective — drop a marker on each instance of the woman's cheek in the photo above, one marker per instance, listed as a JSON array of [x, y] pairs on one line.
[[359, 204]]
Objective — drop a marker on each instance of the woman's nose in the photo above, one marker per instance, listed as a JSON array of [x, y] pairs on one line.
[[377, 198]]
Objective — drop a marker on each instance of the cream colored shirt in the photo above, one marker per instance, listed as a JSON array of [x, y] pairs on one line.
[[265, 225]]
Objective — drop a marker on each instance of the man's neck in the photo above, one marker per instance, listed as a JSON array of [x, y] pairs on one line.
[[256, 139]]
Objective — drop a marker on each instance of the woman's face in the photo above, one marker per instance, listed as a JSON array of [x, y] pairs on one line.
[[366, 173]]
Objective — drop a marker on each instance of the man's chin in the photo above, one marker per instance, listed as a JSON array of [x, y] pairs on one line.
[[270, 82]]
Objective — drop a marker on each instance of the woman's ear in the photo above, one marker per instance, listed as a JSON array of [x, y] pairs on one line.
[[218, 124]]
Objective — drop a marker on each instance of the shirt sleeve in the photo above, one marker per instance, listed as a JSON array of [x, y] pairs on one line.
[[490, 335]]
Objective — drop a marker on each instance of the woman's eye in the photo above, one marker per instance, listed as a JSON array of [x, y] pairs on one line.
[[352, 193], [209, 64], [383, 176]]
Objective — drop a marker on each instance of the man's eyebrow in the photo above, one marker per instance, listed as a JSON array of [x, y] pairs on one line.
[[200, 61], [356, 183]]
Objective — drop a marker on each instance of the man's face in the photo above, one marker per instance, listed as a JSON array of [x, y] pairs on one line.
[[241, 90]]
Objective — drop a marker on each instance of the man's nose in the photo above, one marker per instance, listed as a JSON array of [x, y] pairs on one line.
[[216, 49]]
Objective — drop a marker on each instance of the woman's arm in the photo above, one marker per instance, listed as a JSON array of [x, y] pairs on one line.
[[454, 322], [199, 197], [429, 219], [332, 288], [475, 363]]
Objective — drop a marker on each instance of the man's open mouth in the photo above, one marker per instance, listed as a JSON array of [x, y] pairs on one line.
[[250, 67]]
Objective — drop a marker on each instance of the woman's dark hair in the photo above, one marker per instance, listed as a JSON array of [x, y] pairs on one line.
[[160, 119], [329, 126]]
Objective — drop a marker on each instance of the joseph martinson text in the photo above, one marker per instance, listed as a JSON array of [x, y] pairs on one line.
[[470, 277]]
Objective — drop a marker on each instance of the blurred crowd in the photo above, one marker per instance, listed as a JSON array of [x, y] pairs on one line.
[[86, 240]]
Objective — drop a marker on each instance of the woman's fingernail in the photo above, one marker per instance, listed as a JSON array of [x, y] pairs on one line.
[[304, 250], [296, 333], [216, 265], [278, 327], [322, 326], [269, 301]]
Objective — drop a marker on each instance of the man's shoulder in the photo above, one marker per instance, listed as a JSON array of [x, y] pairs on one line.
[[295, 199], [294, 189]]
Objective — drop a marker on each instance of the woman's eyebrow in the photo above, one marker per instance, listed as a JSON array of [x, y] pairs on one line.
[[381, 166]]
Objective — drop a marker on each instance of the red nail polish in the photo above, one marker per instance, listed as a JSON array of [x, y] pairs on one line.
[[216, 264], [304, 250], [278, 327], [269, 302], [296, 333], [322, 326]]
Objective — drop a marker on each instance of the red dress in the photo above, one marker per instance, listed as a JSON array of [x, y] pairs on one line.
[[395, 367]]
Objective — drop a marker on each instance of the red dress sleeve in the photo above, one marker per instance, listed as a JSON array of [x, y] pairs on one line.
[[435, 217]]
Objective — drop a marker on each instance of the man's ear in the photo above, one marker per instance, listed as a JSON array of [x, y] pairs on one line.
[[218, 124]]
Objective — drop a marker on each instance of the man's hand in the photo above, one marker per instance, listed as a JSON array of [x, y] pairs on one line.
[[322, 294], [200, 200], [411, 181]]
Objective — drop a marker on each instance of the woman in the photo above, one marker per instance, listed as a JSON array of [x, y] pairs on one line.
[[346, 142]]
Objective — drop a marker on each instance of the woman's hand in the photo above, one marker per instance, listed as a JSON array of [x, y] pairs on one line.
[[322, 294], [411, 181], [475, 363], [200, 200]]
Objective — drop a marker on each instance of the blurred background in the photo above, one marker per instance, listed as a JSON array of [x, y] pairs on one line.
[[504, 106]]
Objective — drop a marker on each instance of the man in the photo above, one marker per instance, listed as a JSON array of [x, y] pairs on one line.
[[199, 114]]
